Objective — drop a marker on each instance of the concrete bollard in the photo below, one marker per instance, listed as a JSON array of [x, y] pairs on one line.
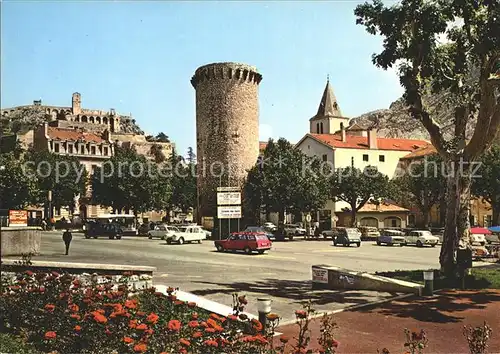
[[264, 308], [428, 282]]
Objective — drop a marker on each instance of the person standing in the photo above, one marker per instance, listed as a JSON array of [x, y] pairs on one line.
[[67, 237]]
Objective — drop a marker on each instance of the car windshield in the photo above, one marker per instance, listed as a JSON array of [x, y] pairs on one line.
[[182, 229], [426, 233], [171, 228]]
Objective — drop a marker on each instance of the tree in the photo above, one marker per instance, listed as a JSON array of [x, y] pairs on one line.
[[184, 183], [157, 153], [357, 187], [411, 30], [487, 183], [17, 188], [128, 181], [285, 180], [23, 119], [65, 176], [162, 138], [422, 184], [191, 156]]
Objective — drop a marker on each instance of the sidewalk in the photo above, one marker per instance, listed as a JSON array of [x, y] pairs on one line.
[[442, 316]]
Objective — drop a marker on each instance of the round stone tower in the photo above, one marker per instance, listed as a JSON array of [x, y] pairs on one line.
[[227, 129]]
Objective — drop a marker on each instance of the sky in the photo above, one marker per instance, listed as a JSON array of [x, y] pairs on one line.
[[139, 56]]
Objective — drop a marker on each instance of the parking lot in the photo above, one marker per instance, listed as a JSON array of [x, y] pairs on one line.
[[283, 273]]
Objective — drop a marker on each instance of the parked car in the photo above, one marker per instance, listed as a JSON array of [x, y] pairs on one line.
[[369, 233], [110, 230], [187, 234], [347, 236], [391, 237], [261, 230], [269, 226], [291, 230], [421, 238], [330, 233], [493, 238], [163, 232], [208, 234], [244, 241], [438, 232], [144, 229]]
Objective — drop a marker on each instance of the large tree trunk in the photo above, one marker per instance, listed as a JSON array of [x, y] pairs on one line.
[[353, 216], [457, 226], [495, 209]]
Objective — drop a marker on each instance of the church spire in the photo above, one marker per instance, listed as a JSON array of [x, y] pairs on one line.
[[328, 107]]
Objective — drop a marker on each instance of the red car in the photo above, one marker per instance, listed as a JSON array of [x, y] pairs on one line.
[[244, 241]]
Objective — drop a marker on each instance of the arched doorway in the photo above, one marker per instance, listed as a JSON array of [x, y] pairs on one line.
[[392, 221], [369, 221]]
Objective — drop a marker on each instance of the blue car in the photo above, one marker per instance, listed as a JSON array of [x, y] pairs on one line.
[[391, 237]]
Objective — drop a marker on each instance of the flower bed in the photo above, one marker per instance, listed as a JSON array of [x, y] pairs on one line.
[[69, 314]]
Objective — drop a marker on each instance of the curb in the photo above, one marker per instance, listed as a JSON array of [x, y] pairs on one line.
[[349, 308]]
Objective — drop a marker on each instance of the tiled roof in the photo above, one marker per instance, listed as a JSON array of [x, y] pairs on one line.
[[72, 135], [361, 142], [383, 208], [421, 152], [262, 145]]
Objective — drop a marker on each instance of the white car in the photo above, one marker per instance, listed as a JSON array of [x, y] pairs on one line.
[[162, 231], [187, 234], [478, 238], [269, 226], [421, 238]]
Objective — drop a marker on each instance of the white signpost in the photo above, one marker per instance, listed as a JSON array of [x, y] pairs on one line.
[[229, 212], [228, 198], [320, 275]]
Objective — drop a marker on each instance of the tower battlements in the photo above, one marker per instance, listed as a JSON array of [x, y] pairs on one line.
[[229, 71]]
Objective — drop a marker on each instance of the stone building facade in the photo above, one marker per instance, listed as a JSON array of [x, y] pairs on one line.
[[227, 128], [90, 135]]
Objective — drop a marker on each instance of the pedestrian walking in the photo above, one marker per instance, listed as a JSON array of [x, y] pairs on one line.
[[67, 237], [44, 225]]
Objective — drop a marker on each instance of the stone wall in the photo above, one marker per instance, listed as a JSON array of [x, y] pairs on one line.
[[17, 241], [227, 128]]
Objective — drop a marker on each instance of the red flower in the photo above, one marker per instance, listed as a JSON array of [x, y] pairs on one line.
[[56, 274], [301, 314], [118, 307], [78, 328], [41, 289], [107, 332], [192, 304], [74, 308], [76, 282], [232, 317], [98, 317], [194, 316], [210, 330], [75, 316], [260, 338], [50, 335], [257, 325], [163, 353], [127, 340], [141, 313], [178, 302], [159, 294], [184, 342], [242, 300], [215, 317], [28, 273], [50, 307], [197, 334], [142, 327], [140, 348], [193, 324], [101, 311], [152, 318], [130, 304], [204, 324], [174, 325], [87, 301], [132, 323], [211, 343]]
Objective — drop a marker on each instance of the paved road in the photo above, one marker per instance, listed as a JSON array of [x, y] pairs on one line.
[[283, 273]]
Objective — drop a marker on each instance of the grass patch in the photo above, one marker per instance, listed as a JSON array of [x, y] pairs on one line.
[[11, 344], [481, 278]]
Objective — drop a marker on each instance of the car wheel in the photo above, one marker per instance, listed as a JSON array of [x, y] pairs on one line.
[[150, 237], [420, 244], [87, 236], [169, 241], [95, 237], [290, 238], [334, 243], [219, 248], [378, 243], [111, 237], [434, 244], [358, 244], [118, 237], [483, 243], [248, 250], [389, 244], [261, 251], [181, 241], [401, 244]]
